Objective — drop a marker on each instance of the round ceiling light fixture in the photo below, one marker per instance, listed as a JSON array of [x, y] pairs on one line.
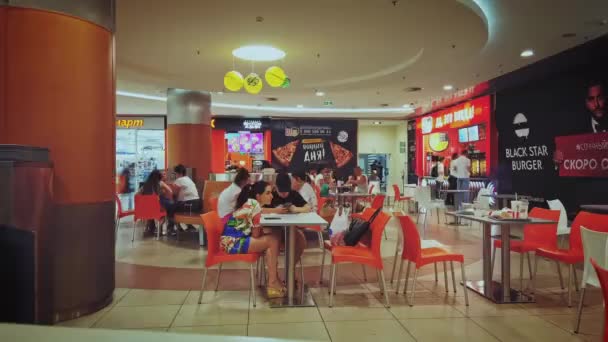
[[448, 87], [259, 53], [319, 93], [300, 106], [527, 53]]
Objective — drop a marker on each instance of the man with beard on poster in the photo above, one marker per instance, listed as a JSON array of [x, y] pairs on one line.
[[597, 104]]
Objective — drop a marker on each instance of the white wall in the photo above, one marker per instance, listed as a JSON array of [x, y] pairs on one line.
[[385, 139]]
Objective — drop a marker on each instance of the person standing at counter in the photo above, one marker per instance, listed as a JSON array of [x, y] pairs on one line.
[[227, 199], [462, 169], [452, 181]]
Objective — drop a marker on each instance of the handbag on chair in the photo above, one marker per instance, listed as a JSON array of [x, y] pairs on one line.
[[357, 229]]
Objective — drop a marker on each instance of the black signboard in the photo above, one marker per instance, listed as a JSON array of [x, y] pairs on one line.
[[240, 124], [529, 117], [300, 145]]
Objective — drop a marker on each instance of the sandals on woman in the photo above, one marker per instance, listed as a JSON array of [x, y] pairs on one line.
[[272, 292]]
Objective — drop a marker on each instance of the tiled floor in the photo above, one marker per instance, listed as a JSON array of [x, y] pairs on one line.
[[167, 292]]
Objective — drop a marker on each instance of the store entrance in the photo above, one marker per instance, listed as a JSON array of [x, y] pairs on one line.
[[375, 167]]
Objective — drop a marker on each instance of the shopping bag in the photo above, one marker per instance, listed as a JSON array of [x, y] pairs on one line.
[[339, 222]]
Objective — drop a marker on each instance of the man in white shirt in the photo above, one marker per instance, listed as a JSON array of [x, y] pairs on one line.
[[227, 201], [300, 185], [461, 169]]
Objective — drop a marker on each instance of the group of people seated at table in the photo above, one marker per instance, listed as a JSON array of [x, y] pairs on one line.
[[323, 178], [178, 196]]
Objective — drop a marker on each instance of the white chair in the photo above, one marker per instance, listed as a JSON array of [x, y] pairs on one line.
[[594, 246], [563, 229], [425, 203]]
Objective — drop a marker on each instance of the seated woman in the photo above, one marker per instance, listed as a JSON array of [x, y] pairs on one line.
[[154, 185], [243, 233]]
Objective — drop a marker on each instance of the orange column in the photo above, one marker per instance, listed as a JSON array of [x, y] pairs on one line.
[[57, 90], [189, 131]]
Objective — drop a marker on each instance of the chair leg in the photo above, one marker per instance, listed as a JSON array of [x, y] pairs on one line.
[[426, 212], [399, 277], [493, 262], [570, 270], [395, 262], [533, 281], [579, 311], [385, 236], [332, 286], [559, 272], [116, 224], [521, 272], [437, 215], [252, 288], [219, 273], [200, 294], [407, 278], [320, 236], [445, 276], [383, 283], [575, 278], [364, 273], [453, 276], [529, 265], [413, 286], [436, 273], [301, 282], [464, 285], [322, 267], [134, 227]]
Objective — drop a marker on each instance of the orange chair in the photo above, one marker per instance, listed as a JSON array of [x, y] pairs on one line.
[[120, 214], [364, 255], [602, 275], [574, 255], [147, 207], [398, 197], [215, 255], [327, 245], [213, 203], [535, 236], [414, 253]]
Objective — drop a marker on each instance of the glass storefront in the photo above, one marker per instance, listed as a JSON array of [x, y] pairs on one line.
[[140, 148]]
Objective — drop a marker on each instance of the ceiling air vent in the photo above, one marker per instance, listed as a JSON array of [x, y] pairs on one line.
[[272, 99], [412, 89]]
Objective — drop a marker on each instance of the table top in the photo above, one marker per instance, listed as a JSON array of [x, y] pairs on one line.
[[512, 197], [454, 190], [485, 219], [596, 208], [282, 220], [353, 194]]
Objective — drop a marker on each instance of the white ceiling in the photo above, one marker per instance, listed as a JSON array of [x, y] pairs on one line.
[[362, 53]]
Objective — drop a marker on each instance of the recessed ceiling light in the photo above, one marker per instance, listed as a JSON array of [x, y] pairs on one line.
[[300, 106], [448, 87], [527, 53], [259, 53], [406, 106], [319, 93], [220, 93], [377, 122]]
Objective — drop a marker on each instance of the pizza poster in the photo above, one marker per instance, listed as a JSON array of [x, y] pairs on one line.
[[301, 145]]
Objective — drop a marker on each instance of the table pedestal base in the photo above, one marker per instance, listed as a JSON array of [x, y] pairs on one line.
[[497, 293], [300, 300]]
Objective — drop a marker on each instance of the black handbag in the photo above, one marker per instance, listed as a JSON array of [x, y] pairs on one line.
[[357, 229]]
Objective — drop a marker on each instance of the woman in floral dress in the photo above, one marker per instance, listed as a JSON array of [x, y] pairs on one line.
[[243, 233]]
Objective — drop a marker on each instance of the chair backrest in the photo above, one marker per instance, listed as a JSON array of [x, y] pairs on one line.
[[602, 274], [377, 227], [556, 204], [423, 196], [592, 221], [483, 202], [411, 246], [214, 228], [542, 235], [118, 204], [147, 207], [378, 202], [410, 190], [371, 188], [396, 191], [594, 247]]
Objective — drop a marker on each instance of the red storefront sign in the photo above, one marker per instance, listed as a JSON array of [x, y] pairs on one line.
[[584, 155], [474, 112]]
